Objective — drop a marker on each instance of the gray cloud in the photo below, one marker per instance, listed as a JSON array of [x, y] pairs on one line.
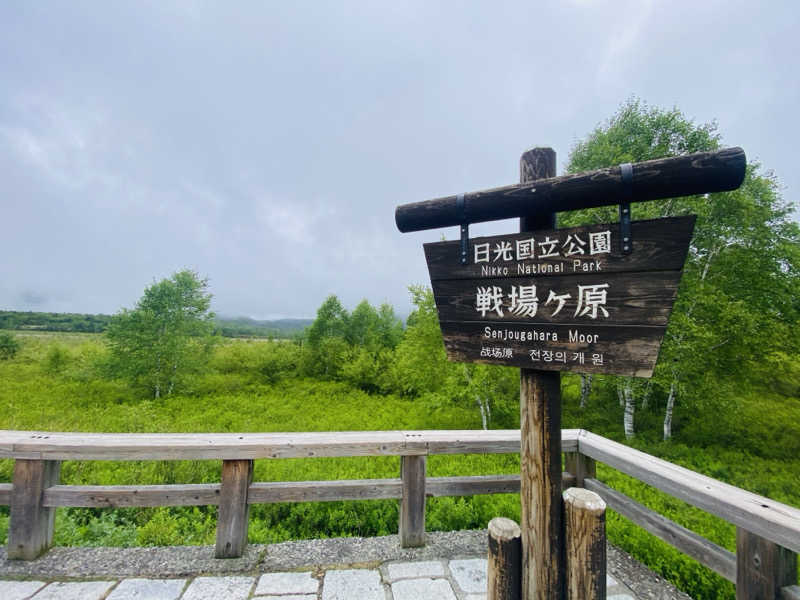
[[267, 145]]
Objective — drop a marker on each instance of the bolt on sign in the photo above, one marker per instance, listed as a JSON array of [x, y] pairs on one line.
[[561, 299]]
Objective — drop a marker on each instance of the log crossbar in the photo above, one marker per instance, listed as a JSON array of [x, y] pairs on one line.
[[766, 527]]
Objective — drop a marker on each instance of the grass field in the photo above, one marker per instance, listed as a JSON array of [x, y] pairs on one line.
[[52, 384]]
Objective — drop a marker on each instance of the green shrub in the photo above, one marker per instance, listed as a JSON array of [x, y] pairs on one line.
[[9, 345]]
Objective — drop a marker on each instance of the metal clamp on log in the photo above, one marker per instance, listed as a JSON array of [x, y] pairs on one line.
[[626, 172], [462, 209]]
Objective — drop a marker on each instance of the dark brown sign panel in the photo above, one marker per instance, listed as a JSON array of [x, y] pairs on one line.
[[563, 299]]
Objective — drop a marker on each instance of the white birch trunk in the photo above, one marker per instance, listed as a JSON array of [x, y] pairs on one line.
[[668, 415], [483, 406], [630, 408], [620, 394], [646, 394], [586, 388]]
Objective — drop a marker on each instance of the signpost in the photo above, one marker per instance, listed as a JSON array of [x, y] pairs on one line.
[[593, 299]]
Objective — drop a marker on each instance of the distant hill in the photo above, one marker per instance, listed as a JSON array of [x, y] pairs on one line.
[[228, 326]]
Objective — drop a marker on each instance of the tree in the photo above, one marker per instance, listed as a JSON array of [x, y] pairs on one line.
[[166, 336], [9, 346], [738, 296]]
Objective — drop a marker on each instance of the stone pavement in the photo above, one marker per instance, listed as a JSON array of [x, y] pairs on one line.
[[457, 579], [451, 566]]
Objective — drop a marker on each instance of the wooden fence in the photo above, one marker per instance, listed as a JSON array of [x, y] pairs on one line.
[[768, 532]]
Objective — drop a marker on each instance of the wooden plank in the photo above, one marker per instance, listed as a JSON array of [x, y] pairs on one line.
[[237, 475], [707, 553], [622, 350], [114, 496], [5, 494], [631, 299], [412, 505], [30, 531], [324, 491], [762, 567], [203, 446], [581, 466], [661, 244], [504, 569], [700, 173], [585, 521], [767, 518]]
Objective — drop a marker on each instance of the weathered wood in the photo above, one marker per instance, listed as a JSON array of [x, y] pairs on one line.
[[762, 567], [585, 522], [114, 496], [543, 567], [762, 516], [505, 560], [661, 245], [700, 173], [30, 531], [582, 467], [234, 510], [790, 592], [412, 505], [239, 446], [707, 553], [5, 494]]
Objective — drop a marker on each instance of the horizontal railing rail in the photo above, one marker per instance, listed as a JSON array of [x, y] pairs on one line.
[[768, 532]]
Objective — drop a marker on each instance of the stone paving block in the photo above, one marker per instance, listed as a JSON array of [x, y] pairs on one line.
[[410, 570], [470, 574], [620, 597], [610, 581], [19, 590], [148, 589], [219, 588], [287, 583], [423, 589], [75, 590], [361, 584]]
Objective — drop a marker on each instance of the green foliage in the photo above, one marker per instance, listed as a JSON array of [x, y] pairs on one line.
[[42, 321], [9, 345], [166, 336]]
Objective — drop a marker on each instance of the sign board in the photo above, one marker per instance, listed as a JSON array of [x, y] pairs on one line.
[[561, 299]]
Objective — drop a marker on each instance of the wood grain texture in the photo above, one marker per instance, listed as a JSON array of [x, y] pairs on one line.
[[114, 496], [700, 173], [580, 466], [30, 530], [762, 567], [504, 569], [234, 510], [412, 505], [543, 568], [767, 518], [585, 523], [661, 245], [36, 445], [5, 494], [707, 553]]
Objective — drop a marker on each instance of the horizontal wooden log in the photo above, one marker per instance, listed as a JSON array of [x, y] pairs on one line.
[[114, 496], [233, 446], [707, 553], [700, 173], [325, 491], [661, 245], [5, 493], [772, 520]]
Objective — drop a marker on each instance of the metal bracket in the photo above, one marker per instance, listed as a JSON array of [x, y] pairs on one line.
[[626, 170], [461, 206]]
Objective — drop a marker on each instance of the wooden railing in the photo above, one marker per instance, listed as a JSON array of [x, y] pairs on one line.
[[768, 532]]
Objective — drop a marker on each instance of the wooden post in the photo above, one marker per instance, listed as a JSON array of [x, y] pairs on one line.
[[762, 567], [412, 506], [505, 560], [543, 568], [580, 466], [234, 511], [30, 531], [585, 521]]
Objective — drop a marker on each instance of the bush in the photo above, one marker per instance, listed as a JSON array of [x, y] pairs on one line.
[[9, 346]]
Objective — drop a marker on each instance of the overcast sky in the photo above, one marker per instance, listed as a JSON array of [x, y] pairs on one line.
[[266, 144]]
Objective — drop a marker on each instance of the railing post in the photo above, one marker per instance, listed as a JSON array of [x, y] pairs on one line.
[[412, 506], [762, 567], [234, 511], [505, 560], [580, 466], [585, 521], [30, 531]]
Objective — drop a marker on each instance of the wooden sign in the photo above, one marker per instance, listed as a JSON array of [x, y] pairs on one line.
[[561, 299]]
